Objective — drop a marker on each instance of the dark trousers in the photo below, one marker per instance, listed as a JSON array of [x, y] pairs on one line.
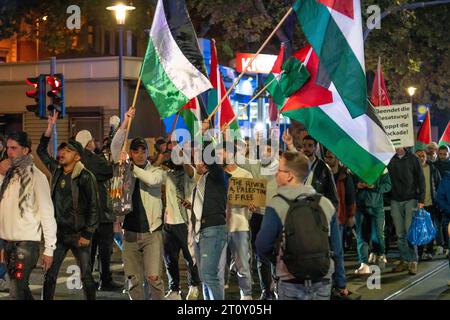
[[103, 240], [263, 265], [175, 238], [436, 217], [83, 258], [21, 258]]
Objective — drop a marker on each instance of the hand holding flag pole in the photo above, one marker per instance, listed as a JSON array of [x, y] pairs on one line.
[[250, 62], [124, 147]]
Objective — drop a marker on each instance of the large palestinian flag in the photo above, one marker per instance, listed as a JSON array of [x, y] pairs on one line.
[[173, 70], [334, 30], [359, 143]]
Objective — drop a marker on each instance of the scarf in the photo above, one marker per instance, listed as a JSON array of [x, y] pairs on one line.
[[22, 168]]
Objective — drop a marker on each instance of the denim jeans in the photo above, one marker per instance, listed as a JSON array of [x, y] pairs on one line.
[[296, 291], [175, 238], [25, 254], [83, 258], [402, 213], [339, 278], [210, 254], [238, 242], [369, 224]]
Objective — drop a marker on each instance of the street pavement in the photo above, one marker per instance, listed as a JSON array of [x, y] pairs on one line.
[[429, 284]]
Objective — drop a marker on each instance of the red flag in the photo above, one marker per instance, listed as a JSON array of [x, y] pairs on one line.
[[225, 112], [424, 134], [379, 96]]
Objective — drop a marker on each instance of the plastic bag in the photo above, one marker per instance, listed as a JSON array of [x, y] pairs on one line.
[[422, 230], [121, 190]]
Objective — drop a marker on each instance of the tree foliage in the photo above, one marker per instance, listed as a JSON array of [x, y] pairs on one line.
[[413, 45]]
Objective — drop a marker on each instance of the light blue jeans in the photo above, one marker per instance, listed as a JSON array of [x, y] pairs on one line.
[[210, 254], [296, 291], [239, 244], [402, 213]]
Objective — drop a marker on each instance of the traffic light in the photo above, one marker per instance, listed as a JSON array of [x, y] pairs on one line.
[[56, 94], [38, 94]]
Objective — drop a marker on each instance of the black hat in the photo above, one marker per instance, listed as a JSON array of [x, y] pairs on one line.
[[75, 146], [138, 142]]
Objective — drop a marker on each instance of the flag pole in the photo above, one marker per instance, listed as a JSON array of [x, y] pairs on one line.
[[133, 106], [379, 80], [250, 62], [246, 106]]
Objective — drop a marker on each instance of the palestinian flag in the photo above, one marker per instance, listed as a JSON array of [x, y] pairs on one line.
[[359, 143], [445, 139], [173, 71], [225, 114], [191, 114], [334, 29], [424, 134], [273, 79]]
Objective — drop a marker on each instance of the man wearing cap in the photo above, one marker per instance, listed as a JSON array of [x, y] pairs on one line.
[[104, 235], [143, 241], [26, 212], [76, 202]]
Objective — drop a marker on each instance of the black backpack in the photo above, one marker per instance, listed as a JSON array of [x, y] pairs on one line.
[[304, 241]]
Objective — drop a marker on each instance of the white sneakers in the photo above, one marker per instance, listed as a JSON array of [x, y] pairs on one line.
[[373, 258], [382, 262], [246, 298], [173, 295], [363, 269], [193, 293]]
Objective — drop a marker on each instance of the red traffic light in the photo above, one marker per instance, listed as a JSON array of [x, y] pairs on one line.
[[32, 82], [54, 82]]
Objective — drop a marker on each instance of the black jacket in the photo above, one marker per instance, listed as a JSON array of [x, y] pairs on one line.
[[407, 178], [215, 201], [103, 172], [435, 179], [323, 181], [85, 198]]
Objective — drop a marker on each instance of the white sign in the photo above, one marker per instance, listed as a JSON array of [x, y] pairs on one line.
[[263, 63], [397, 120]]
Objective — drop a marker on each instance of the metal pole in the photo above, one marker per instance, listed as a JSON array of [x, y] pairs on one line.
[[55, 132], [121, 104]]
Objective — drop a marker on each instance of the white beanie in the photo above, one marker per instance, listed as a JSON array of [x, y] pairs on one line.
[[83, 137]]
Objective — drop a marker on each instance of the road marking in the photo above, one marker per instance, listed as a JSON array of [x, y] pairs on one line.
[[437, 269]]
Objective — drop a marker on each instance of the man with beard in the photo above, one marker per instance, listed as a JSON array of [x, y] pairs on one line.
[[26, 211], [76, 201]]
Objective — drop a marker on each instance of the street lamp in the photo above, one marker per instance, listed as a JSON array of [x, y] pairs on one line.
[[121, 11], [411, 91]]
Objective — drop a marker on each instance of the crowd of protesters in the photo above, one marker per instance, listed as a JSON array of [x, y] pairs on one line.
[[183, 207]]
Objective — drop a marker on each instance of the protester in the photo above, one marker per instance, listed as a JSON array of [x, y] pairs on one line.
[[408, 194], [238, 225], [179, 180], [26, 213], [77, 207], [432, 151], [443, 202], [292, 171], [432, 180], [264, 167], [208, 219], [370, 217], [104, 234], [143, 244], [443, 162]]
